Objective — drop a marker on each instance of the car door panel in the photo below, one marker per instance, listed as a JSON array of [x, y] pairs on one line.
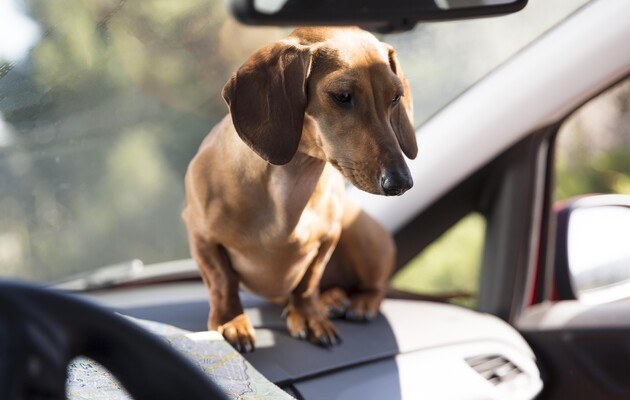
[[583, 351]]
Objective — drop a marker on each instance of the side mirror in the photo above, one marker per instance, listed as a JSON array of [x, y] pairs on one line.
[[593, 248]]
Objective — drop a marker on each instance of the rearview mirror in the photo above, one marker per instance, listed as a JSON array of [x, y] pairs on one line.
[[594, 245], [377, 15]]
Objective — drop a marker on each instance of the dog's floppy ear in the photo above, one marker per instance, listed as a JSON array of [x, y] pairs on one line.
[[267, 100], [402, 117]]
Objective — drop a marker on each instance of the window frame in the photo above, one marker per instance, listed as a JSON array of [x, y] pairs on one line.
[[496, 192]]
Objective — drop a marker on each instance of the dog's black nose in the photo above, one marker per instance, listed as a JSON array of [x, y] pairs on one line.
[[395, 183]]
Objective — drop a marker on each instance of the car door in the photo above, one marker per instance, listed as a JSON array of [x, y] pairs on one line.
[[579, 322], [582, 349]]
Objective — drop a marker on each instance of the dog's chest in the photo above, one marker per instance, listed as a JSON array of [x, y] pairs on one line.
[[287, 244], [320, 218]]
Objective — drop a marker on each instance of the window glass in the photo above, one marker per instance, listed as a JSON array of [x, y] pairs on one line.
[[593, 146], [449, 267], [593, 157], [103, 104], [442, 60]]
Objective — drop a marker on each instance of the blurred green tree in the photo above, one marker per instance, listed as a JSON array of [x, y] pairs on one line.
[[105, 113]]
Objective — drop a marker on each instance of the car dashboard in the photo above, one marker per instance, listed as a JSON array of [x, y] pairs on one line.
[[413, 349]]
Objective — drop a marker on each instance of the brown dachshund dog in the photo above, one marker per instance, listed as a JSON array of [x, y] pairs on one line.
[[266, 206]]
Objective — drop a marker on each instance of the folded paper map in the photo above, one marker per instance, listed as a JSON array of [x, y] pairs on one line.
[[208, 350]]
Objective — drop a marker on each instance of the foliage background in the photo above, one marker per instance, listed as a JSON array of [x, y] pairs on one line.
[[102, 112]]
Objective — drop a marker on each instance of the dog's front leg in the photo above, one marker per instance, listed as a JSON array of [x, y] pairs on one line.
[[305, 317], [369, 250], [226, 312]]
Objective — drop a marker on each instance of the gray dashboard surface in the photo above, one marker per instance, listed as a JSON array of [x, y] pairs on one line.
[[402, 327]]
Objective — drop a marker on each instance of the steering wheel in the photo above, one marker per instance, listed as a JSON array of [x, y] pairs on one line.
[[42, 330]]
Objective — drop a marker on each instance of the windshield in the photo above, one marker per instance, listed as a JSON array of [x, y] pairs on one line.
[[103, 104]]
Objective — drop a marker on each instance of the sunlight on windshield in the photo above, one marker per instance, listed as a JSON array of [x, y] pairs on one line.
[[19, 32], [441, 60], [103, 104]]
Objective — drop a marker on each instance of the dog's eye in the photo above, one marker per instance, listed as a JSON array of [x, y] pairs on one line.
[[396, 99], [342, 97]]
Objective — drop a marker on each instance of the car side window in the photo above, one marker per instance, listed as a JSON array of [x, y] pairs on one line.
[[593, 157], [449, 267], [593, 146]]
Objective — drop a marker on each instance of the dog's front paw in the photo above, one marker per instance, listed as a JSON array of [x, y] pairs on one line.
[[311, 325], [334, 302], [364, 305], [239, 332]]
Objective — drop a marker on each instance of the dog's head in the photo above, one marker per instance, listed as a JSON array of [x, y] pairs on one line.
[[349, 85]]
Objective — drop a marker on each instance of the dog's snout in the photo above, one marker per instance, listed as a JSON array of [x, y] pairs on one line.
[[396, 182]]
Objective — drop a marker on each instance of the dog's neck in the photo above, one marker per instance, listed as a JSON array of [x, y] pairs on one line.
[[310, 142], [294, 184]]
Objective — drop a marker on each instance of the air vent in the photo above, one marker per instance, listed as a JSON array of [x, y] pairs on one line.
[[495, 369]]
